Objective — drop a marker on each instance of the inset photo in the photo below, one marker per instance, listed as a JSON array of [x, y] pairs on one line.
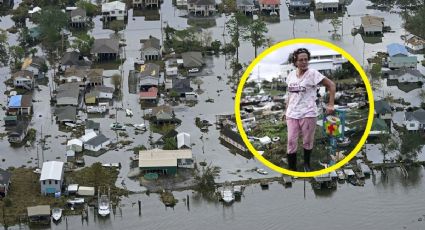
[[304, 107]]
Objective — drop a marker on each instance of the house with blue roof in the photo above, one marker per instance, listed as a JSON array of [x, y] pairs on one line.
[[399, 57], [20, 105]]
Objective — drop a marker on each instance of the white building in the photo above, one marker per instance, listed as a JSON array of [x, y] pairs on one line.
[[51, 178], [114, 11], [415, 121]]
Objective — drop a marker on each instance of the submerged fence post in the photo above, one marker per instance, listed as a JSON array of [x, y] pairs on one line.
[[140, 207]]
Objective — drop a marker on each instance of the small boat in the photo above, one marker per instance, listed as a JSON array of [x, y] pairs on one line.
[[141, 127], [287, 181], [128, 112], [227, 195], [261, 171], [56, 214], [104, 206], [341, 175], [76, 201], [117, 126]]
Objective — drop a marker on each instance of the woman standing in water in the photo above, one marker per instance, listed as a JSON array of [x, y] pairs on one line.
[[301, 109]]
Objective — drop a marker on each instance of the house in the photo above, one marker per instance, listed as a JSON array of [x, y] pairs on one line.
[[399, 57], [106, 49], [97, 143], [68, 94], [94, 77], [151, 3], [246, 6], [75, 145], [415, 121], [326, 5], [181, 3], [181, 86], [115, 10], [24, 79], [383, 110], [415, 43], [148, 76], [269, 5], [406, 75], [74, 58], [372, 25], [203, 7], [150, 96], [39, 214], [164, 162], [70, 155], [20, 105], [78, 18], [66, 114], [17, 134], [151, 49], [299, 5], [183, 141], [52, 177], [10, 120], [37, 65], [74, 74], [233, 138], [379, 127], [172, 71], [4, 182], [192, 59], [163, 114], [104, 92], [137, 4], [88, 136]]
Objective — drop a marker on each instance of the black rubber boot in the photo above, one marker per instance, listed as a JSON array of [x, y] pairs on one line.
[[292, 161], [307, 154]]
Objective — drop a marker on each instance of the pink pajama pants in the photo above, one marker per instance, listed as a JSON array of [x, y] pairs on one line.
[[306, 126]]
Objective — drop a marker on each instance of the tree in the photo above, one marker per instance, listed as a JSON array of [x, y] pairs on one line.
[[20, 14], [375, 72], [237, 27], [336, 24], [51, 22], [257, 34], [17, 53], [388, 144], [91, 9], [215, 46], [4, 54], [116, 26], [116, 81], [412, 23], [173, 94], [411, 146], [83, 43], [33, 51], [170, 143]]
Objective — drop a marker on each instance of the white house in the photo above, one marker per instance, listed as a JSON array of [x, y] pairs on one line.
[[172, 71], [327, 5], [181, 3], [51, 178], [75, 145], [406, 75], [183, 141], [104, 92], [88, 136], [415, 43], [97, 143], [115, 10], [24, 79], [415, 121], [203, 7]]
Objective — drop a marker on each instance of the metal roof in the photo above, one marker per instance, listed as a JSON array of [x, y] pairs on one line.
[[395, 49], [52, 170], [39, 210], [183, 139], [162, 158]]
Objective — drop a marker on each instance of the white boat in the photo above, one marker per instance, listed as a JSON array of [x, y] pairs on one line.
[[96, 109], [56, 214], [117, 126], [104, 206], [141, 127], [76, 201], [227, 195], [128, 112], [262, 171]]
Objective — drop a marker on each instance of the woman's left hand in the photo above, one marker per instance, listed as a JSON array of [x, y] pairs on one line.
[[330, 109]]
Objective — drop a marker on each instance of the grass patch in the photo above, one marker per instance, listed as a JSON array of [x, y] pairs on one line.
[[162, 129], [202, 22], [109, 65], [24, 192]]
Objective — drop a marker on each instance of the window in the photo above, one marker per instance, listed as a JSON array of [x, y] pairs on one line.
[[44, 182], [56, 182], [120, 11], [412, 125], [50, 182]]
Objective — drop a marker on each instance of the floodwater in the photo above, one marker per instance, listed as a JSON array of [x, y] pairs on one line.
[[394, 203]]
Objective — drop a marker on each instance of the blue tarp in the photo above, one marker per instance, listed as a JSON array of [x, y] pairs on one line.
[[395, 48], [15, 101]]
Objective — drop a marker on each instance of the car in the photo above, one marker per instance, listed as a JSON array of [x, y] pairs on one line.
[[193, 70], [262, 171]]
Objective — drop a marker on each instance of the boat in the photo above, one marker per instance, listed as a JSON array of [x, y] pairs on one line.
[[341, 175], [287, 181], [104, 206], [227, 195], [128, 112], [141, 127], [238, 190], [76, 201], [117, 126], [96, 109], [261, 171], [56, 214]]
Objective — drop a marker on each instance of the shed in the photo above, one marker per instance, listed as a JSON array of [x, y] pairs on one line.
[[86, 191]]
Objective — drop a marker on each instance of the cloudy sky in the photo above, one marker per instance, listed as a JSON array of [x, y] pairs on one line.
[[270, 66]]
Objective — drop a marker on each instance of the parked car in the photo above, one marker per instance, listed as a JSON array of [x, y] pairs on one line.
[[193, 70]]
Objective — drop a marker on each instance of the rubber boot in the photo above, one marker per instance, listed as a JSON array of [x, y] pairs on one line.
[[292, 161], [307, 154]]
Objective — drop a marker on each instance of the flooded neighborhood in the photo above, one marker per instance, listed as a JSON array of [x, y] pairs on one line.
[[121, 115]]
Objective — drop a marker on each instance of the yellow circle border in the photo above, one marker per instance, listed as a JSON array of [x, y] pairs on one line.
[[294, 42]]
